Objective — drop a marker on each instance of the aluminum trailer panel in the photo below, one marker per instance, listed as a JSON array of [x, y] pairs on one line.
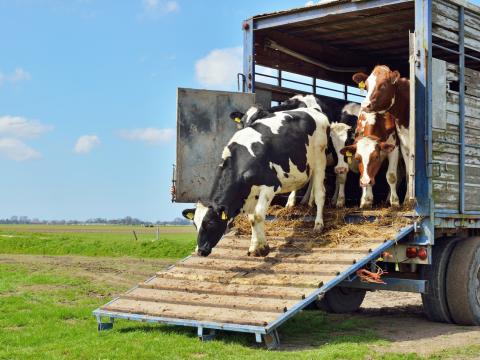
[[231, 291]]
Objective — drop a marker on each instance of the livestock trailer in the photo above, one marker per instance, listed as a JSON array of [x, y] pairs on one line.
[[316, 49]]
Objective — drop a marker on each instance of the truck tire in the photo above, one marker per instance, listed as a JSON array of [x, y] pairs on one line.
[[463, 282], [341, 300], [435, 300]]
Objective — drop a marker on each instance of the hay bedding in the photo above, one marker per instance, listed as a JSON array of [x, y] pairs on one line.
[[297, 223]]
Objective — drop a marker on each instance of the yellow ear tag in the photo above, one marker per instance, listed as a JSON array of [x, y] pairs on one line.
[[190, 216], [349, 157], [361, 85], [237, 120], [224, 216]]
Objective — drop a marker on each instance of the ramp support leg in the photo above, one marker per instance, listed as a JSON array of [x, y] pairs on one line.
[[206, 337], [272, 341], [104, 325]]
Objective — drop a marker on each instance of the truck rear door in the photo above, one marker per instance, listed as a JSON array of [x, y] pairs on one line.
[[203, 129]]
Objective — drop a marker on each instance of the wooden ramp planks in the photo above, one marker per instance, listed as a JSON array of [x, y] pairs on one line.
[[229, 287]]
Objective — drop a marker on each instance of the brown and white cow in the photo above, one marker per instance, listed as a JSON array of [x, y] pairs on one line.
[[375, 141], [387, 91]]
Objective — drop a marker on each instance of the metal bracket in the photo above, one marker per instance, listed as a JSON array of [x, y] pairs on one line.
[[104, 326], [206, 337], [272, 341]]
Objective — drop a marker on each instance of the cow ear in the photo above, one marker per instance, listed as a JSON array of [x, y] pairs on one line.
[[349, 150], [386, 147], [360, 77], [188, 214], [394, 76], [236, 116], [221, 211]]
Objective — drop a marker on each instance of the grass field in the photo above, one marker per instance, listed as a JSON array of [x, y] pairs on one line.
[[46, 307], [173, 242]]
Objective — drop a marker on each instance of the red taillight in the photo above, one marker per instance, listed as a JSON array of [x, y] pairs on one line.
[[422, 254], [412, 252]]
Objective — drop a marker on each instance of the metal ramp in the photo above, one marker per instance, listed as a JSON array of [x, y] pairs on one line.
[[231, 291]]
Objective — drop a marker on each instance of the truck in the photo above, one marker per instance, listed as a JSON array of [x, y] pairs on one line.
[[315, 50]]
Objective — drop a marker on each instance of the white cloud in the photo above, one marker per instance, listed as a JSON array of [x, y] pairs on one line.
[[155, 8], [21, 127], [17, 150], [86, 143], [220, 68], [149, 135], [18, 75]]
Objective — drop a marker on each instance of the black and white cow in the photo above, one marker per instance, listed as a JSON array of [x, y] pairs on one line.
[[277, 154], [342, 133], [343, 117]]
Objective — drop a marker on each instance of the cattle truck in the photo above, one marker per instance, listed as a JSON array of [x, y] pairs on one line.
[[315, 50]]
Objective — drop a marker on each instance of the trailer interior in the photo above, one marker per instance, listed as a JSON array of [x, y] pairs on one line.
[[295, 53]]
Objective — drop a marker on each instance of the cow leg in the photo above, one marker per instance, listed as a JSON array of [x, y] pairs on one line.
[[393, 158], [308, 197], [320, 162], [405, 155], [258, 245], [291, 199], [340, 183], [367, 197]]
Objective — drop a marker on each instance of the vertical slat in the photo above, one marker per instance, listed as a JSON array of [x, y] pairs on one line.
[[248, 55], [461, 102], [411, 160]]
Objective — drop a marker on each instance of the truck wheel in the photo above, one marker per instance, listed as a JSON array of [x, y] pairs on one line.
[[435, 300], [341, 300], [463, 282]]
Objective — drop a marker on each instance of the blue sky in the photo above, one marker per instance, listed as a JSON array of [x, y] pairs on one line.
[[87, 98]]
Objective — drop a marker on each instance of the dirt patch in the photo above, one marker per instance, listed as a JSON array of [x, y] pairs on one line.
[[121, 273], [399, 318]]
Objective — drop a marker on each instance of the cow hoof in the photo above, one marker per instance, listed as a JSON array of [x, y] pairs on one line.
[[260, 252], [366, 205], [340, 203], [395, 203], [318, 227]]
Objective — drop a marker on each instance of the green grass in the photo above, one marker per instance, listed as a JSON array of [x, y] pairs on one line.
[[169, 245]]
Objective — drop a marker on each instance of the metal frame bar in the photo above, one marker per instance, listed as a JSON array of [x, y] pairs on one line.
[[392, 284], [461, 105], [249, 56], [316, 12], [345, 92]]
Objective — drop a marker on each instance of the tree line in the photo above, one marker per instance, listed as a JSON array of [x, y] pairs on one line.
[[127, 220]]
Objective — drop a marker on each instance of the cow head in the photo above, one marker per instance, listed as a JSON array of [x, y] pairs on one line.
[[340, 133], [381, 87], [367, 150], [210, 222], [253, 114]]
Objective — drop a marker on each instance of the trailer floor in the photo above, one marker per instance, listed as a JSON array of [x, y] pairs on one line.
[[231, 291]]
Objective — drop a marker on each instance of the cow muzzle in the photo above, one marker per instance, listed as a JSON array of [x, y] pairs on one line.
[[366, 182], [341, 170], [203, 252]]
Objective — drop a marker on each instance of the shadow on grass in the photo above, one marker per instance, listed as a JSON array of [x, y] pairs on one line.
[[307, 330]]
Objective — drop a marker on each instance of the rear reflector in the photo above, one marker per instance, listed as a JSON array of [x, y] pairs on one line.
[[412, 252]]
